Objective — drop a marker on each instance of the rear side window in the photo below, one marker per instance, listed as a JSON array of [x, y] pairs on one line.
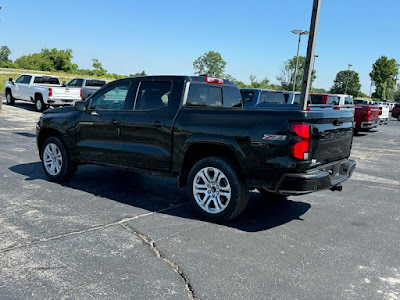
[[272, 98], [96, 83], [204, 95], [333, 100], [153, 95], [247, 96], [348, 100], [46, 80]]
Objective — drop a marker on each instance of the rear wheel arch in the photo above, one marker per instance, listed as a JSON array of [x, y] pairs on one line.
[[45, 133], [197, 152]]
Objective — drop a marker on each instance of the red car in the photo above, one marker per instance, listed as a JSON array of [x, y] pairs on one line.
[[366, 116], [396, 112]]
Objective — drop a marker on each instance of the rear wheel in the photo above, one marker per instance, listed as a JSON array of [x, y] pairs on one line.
[[9, 98], [56, 161], [216, 189], [398, 117], [39, 104]]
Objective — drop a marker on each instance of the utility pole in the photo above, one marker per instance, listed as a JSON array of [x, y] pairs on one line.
[[348, 75], [310, 54]]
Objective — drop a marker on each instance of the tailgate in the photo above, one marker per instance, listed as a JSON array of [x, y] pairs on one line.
[[65, 93], [332, 135]]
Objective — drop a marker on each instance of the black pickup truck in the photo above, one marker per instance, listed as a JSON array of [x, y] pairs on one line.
[[194, 127]]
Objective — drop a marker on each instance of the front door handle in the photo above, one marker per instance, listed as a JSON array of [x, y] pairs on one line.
[[114, 122], [156, 124]]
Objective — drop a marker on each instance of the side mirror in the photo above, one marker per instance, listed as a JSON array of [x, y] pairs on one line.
[[80, 106], [64, 83], [10, 79]]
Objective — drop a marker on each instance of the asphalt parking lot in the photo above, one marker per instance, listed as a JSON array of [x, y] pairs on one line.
[[108, 234]]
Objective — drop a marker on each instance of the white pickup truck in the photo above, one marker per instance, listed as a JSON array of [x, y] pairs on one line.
[[42, 90]]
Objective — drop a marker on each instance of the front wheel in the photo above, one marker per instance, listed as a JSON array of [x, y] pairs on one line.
[[216, 189], [56, 162], [9, 99]]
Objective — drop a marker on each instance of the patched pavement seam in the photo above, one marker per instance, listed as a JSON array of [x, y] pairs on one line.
[[99, 227], [152, 246]]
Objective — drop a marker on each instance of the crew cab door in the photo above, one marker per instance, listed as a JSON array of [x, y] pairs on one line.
[[22, 87], [98, 130], [147, 129]]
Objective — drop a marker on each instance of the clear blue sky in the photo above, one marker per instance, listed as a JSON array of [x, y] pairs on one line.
[[165, 37]]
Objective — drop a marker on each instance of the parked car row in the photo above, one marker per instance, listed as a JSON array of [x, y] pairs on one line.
[[46, 90]]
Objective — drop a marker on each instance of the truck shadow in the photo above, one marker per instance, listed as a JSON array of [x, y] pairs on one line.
[[154, 193], [24, 105]]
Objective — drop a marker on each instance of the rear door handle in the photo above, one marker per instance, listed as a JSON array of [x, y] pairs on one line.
[[114, 122], [156, 124]]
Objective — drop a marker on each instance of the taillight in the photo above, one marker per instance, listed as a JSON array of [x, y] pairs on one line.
[[81, 94], [50, 92], [380, 110], [214, 80], [336, 108], [301, 147]]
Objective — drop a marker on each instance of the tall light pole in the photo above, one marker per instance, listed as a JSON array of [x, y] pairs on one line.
[[300, 33], [348, 75], [370, 89], [397, 75], [313, 68]]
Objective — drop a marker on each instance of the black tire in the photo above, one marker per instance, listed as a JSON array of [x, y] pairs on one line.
[[68, 167], [398, 117], [271, 197], [10, 100], [39, 104], [231, 177]]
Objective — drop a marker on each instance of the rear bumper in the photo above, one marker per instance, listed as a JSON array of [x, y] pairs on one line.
[[57, 102], [369, 124], [321, 178]]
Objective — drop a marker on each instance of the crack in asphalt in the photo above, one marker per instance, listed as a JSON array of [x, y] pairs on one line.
[[152, 247], [72, 233]]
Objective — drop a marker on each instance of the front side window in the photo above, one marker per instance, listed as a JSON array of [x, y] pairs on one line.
[[19, 79], [112, 98], [72, 82], [153, 95], [247, 96], [26, 79], [204, 95]]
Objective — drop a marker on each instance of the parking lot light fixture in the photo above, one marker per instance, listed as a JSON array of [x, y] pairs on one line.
[[300, 33], [348, 76]]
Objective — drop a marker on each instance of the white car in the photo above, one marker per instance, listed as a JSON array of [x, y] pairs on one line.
[[43, 90], [383, 112]]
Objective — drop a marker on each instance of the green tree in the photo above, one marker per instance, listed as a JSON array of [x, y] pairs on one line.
[[383, 73], [287, 73], [143, 73], [60, 59], [34, 61], [346, 82], [396, 96], [4, 54], [98, 68], [210, 63]]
